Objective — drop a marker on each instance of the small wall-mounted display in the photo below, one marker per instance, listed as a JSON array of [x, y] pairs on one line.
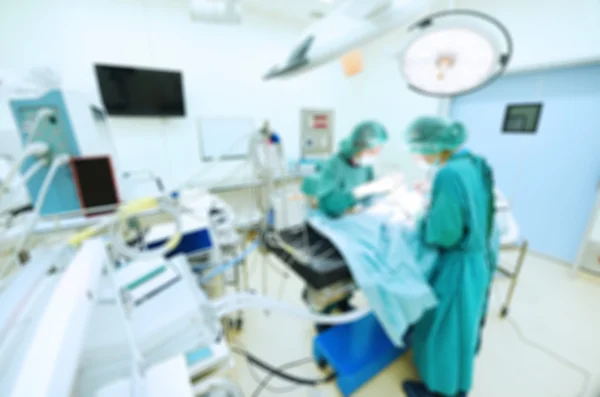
[[95, 181], [522, 118]]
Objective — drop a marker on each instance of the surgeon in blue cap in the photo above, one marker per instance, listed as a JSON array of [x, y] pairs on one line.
[[336, 187], [459, 225]]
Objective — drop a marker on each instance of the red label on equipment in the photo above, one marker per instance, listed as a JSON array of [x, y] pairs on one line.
[[320, 122]]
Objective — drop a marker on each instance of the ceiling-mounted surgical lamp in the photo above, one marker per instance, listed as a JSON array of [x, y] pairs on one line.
[[351, 25], [454, 52]]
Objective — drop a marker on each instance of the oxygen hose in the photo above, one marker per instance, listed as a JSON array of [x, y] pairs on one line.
[[56, 165], [218, 270], [31, 171], [212, 384], [125, 211], [245, 300], [119, 243], [33, 149]]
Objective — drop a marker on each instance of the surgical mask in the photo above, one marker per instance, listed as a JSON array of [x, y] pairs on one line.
[[430, 169], [367, 160], [424, 165]]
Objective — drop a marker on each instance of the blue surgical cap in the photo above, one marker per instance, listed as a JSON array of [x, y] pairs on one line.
[[366, 135], [433, 135]]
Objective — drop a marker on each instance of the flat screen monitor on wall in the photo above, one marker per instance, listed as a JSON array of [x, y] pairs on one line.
[[522, 118], [130, 91]]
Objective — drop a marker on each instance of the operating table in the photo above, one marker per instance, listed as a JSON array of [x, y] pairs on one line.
[[317, 261], [321, 266]]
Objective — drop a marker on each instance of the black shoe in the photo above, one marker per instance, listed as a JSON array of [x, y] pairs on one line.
[[322, 328], [418, 389], [345, 306]]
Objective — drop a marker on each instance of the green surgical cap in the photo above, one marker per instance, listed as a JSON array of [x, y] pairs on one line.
[[433, 135], [366, 135]]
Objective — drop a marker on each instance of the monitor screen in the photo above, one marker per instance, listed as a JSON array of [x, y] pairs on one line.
[[522, 118], [140, 92], [95, 181]]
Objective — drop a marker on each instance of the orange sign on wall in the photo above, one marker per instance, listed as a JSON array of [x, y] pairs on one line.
[[352, 63]]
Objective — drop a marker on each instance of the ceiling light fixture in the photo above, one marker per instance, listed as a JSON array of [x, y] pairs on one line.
[[216, 11], [455, 52]]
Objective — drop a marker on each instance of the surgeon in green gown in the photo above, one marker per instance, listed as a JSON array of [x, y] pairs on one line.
[[458, 223], [336, 186]]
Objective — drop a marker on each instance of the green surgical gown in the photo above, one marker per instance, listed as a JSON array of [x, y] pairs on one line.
[[458, 224], [333, 186]]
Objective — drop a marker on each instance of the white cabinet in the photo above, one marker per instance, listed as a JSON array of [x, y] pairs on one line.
[[596, 230]]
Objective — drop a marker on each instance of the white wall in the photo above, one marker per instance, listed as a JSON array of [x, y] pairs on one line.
[[72, 35], [222, 68], [546, 32]]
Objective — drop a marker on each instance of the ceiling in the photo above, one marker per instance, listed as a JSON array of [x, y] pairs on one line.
[[301, 10]]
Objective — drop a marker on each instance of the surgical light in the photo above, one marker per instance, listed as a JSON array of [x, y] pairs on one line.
[[454, 52]]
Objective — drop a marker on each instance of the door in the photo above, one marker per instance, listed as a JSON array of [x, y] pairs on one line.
[[550, 176]]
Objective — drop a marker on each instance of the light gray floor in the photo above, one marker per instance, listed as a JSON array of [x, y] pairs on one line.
[[551, 307]]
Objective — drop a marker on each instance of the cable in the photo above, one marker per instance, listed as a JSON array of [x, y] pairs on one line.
[[235, 302], [34, 149], [117, 240], [229, 264], [13, 213], [31, 171], [252, 371], [32, 126], [557, 357], [264, 381], [263, 385], [279, 373], [56, 164], [218, 383]]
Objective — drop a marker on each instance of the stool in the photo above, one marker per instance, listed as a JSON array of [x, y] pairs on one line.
[[356, 351]]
